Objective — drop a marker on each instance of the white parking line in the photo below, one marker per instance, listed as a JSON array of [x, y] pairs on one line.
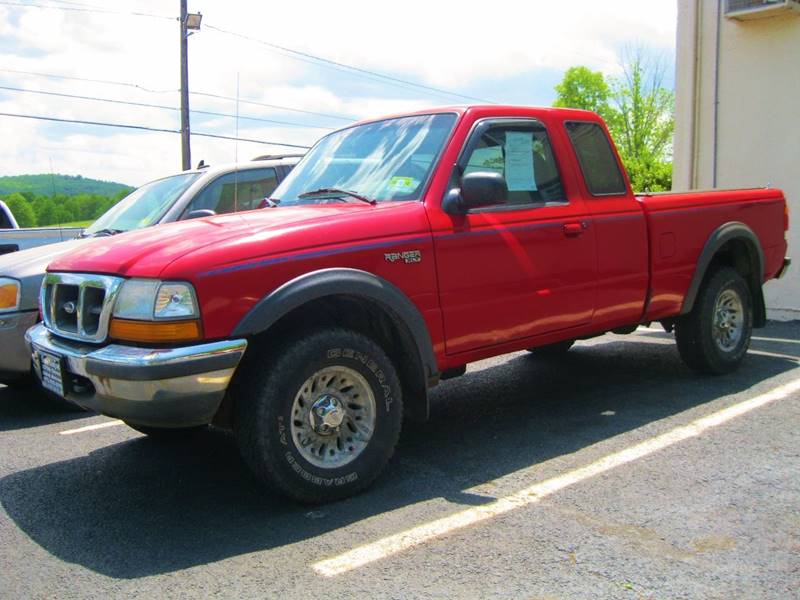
[[92, 427], [394, 544], [773, 355], [779, 340]]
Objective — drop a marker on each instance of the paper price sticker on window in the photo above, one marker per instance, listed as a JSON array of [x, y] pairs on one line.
[[403, 185], [519, 161]]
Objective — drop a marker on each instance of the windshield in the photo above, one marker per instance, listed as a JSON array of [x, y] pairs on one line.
[[143, 206], [384, 160]]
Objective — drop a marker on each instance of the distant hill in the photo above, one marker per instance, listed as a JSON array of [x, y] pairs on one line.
[[69, 185]]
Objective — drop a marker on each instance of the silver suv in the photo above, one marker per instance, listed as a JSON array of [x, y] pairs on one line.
[[197, 193]]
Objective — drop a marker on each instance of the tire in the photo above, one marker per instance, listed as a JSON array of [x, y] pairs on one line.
[[552, 350], [166, 434], [300, 410], [714, 337]]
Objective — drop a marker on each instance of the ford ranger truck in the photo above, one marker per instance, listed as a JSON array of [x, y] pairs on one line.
[[398, 250]]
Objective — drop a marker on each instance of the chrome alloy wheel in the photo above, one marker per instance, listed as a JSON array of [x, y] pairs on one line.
[[333, 417], [728, 320]]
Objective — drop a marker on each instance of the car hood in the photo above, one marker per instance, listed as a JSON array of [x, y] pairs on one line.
[[147, 252], [28, 266], [34, 261]]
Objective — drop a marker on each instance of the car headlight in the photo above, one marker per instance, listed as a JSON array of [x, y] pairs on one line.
[[149, 310], [9, 294]]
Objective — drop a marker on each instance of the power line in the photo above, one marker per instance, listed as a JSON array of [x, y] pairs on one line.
[[87, 80], [145, 128], [296, 54], [345, 67], [160, 106], [256, 103], [84, 9], [208, 95], [75, 3]]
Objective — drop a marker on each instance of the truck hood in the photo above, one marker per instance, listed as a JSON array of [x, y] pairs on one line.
[[147, 252]]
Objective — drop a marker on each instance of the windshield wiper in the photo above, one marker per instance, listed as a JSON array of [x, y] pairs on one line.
[[339, 191], [103, 233]]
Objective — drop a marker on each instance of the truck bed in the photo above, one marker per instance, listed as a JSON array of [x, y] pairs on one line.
[[679, 225]]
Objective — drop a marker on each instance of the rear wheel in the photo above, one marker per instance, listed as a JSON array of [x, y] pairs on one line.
[[714, 336], [552, 350], [321, 422]]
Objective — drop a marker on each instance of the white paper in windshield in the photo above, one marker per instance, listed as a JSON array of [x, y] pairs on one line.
[[519, 161]]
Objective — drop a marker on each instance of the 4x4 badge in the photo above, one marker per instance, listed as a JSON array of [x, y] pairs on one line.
[[408, 257]]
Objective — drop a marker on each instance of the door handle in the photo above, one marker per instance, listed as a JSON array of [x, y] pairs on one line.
[[573, 229]]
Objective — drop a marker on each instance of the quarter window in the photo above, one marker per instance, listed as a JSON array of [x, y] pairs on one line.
[[522, 154], [598, 163]]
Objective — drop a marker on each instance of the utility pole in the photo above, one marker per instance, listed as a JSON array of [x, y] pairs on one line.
[[186, 151]]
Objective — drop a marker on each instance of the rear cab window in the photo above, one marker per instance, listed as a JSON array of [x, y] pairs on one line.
[[599, 165]]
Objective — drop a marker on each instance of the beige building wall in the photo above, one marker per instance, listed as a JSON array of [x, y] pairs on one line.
[[737, 115]]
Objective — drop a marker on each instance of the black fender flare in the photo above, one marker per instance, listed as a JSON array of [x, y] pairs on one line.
[[733, 230], [350, 282]]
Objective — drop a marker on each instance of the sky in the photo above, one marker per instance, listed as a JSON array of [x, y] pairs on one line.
[[509, 52]]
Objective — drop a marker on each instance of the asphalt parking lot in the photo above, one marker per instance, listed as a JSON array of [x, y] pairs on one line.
[[612, 472]]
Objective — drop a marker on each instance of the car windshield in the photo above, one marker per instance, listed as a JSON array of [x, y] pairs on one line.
[[144, 206], [382, 160]]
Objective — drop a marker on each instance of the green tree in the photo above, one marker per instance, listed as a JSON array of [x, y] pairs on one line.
[[638, 111], [45, 210], [644, 121], [21, 209], [585, 89]]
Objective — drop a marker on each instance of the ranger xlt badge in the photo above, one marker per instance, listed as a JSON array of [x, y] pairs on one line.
[[409, 256]]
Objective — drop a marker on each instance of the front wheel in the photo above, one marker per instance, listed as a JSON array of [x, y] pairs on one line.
[[320, 420], [714, 336]]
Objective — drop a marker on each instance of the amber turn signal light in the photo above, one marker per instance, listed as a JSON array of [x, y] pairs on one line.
[[155, 332], [9, 296]]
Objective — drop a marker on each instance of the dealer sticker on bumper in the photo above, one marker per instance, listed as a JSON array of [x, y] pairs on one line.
[[52, 371]]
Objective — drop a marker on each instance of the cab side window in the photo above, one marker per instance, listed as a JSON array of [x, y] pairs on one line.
[[598, 163], [522, 154], [241, 190]]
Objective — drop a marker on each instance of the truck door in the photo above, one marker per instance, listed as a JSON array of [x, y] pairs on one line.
[[619, 225], [519, 269]]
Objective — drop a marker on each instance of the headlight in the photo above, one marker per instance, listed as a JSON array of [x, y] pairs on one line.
[[175, 301], [152, 311], [150, 299], [9, 294]]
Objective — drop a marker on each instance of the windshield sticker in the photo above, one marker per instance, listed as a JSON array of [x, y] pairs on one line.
[[403, 185], [519, 161]]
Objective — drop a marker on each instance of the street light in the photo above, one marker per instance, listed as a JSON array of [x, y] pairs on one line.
[[193, 21], [190, 22]]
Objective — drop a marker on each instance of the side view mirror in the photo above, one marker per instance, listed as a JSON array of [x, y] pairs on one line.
[[481, 188], [196, 214]]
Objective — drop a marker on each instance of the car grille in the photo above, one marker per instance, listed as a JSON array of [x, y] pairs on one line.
[[78, 306]]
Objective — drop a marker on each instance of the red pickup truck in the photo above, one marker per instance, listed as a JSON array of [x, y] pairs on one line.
[[396, 252]]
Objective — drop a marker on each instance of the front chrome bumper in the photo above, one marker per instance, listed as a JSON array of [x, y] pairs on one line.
[[159, 387]]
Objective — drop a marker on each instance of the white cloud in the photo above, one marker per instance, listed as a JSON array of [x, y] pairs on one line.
[[476, 48]]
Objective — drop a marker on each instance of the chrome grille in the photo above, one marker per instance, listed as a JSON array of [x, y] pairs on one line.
[[78, 306]]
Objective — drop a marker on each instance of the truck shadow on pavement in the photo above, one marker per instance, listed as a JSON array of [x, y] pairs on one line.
[[23, 407], [139, 508]]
